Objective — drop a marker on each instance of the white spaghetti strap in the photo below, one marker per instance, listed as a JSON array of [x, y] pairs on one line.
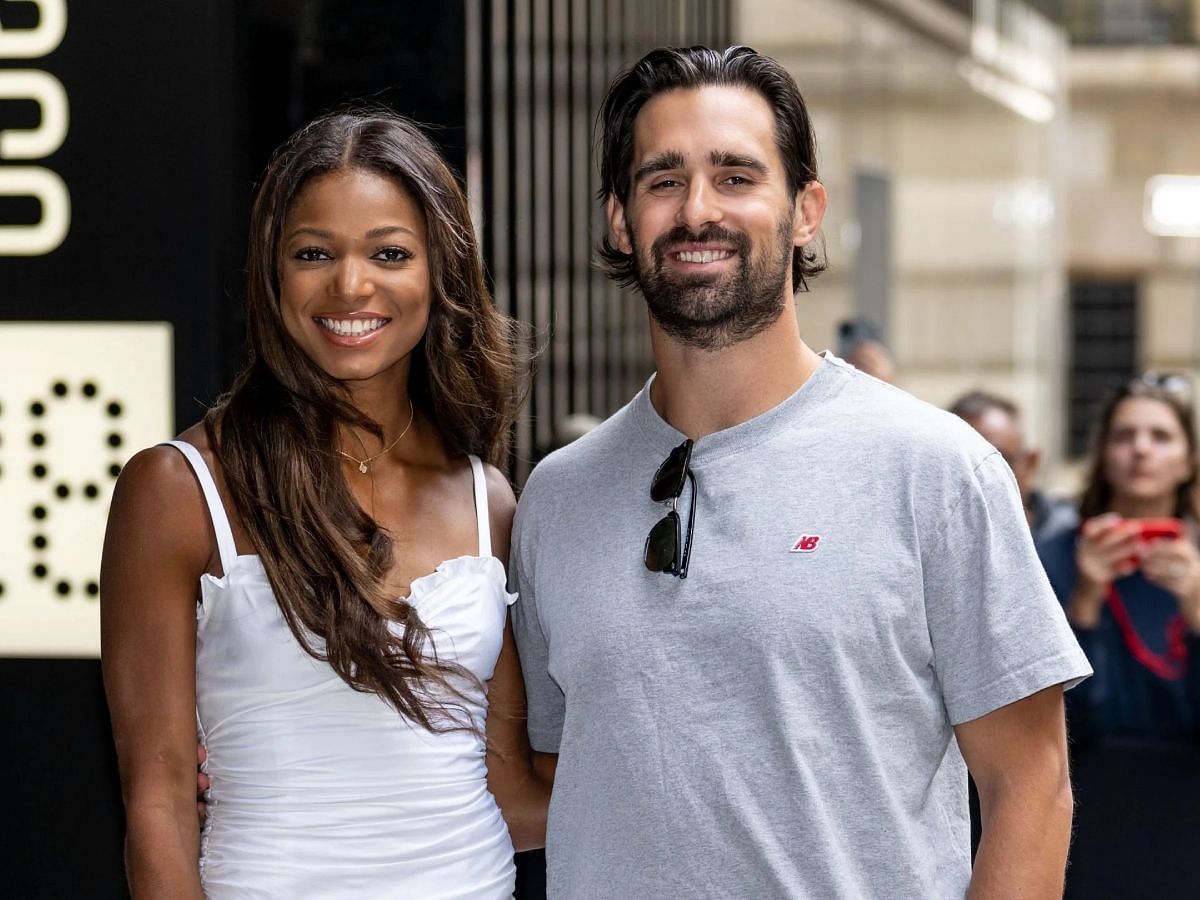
[[226, 546], [481, 506]]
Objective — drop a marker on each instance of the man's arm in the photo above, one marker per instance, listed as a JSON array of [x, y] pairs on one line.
[[1017, 755]]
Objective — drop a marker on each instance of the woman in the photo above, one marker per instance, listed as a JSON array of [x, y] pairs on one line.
[[312, 575], [1131, 590]]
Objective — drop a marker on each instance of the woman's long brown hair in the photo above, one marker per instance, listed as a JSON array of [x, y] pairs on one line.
[[1097, 494], [274, 432]]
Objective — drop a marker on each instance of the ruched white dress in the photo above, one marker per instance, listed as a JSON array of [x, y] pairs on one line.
[[320, 791]]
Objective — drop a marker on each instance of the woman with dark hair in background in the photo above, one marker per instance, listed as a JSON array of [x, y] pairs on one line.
[[312, 576], [1129, 577]]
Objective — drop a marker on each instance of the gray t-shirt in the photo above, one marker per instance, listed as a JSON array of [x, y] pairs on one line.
[[779, 723]]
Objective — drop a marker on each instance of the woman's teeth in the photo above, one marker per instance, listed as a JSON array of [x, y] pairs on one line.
[[352, 327]]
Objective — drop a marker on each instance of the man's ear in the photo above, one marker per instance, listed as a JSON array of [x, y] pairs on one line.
[[618, 230], [810, 212]]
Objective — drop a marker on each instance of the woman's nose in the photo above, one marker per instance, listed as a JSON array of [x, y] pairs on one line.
[[352, 280]]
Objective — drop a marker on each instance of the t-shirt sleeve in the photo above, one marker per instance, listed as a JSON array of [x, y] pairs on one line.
[[546, 703], [997, 630]]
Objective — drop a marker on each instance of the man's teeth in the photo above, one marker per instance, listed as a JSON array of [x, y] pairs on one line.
[[703, 256], [352, 327]]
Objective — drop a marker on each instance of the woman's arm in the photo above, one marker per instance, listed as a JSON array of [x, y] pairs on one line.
[[1080, 569], [1175, 566], [1106, 551], [157, 545], [519, 782], [521, 789]]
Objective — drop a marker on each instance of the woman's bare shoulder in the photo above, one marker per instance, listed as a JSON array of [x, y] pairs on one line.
[[157, 499], [502, 504]]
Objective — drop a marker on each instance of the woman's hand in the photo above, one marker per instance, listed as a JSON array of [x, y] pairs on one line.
[[1174, 565], [1107, 550]]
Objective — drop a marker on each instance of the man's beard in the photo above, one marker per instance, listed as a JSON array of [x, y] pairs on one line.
[[711, 313]]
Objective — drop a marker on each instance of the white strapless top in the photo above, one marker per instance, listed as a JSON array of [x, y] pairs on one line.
[[321, 791]]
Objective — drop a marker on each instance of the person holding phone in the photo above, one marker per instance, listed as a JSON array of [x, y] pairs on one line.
[[1129, 576]]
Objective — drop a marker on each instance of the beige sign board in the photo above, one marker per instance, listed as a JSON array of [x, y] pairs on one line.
[[76, 401]]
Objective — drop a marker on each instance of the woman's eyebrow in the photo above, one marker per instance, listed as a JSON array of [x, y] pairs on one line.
[[385, 230], [314, 232]]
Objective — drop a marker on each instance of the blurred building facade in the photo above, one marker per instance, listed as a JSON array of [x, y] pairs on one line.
[[1015, 141]]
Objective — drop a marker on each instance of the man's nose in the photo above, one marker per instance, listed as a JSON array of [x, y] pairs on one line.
[[700, 207]]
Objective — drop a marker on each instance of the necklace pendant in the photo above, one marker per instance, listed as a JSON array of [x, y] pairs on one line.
[[362, 467]]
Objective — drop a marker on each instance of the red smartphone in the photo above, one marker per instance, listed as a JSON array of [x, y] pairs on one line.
[[1149, 530], [1158, 529]]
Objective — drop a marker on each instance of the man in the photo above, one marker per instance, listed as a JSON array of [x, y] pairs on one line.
[[859, 345], [999, 421], [790, 719]]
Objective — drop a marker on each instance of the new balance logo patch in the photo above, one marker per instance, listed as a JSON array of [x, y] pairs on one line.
[[806, 544]]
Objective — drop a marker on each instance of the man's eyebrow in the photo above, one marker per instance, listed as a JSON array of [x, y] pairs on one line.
[[723, 159], [664, 162]]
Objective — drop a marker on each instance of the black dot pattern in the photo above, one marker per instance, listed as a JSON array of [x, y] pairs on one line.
[[41, 410]]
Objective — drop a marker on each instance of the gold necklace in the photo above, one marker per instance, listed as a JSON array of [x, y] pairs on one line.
[[363, 464]]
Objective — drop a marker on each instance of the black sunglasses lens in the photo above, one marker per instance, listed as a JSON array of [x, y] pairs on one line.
[[662, 544], [669, 479]]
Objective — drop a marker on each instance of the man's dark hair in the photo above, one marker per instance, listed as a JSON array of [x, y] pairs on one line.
[[670, 68], [976, 403]]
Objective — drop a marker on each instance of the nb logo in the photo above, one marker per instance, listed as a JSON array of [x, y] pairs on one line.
[[806, 544]]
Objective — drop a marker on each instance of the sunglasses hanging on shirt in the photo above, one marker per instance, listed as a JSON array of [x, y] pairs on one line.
[[666, 550]]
